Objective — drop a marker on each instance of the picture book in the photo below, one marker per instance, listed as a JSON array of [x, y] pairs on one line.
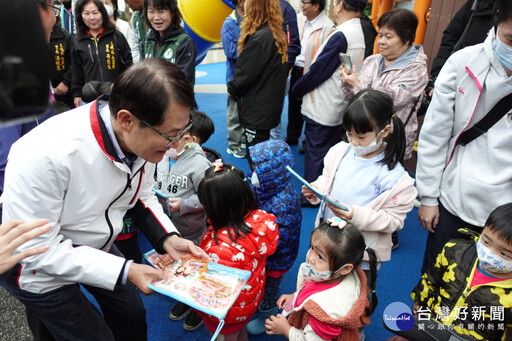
[[206, 286], [319, 194]]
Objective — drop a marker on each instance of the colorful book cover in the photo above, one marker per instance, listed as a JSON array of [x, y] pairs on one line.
[[207, 286]]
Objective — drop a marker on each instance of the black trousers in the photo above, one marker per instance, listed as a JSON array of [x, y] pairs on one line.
[[295, 123], [445, 231]]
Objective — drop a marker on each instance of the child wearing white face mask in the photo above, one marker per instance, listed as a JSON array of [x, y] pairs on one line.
[[471, 282], [331, 300], [178, 176], [365, 175]]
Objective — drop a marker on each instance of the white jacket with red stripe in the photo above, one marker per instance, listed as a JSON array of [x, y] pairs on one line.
[[67, 170]]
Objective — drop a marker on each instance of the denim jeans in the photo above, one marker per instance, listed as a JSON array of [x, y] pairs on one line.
[[67, 314], [272, 286]]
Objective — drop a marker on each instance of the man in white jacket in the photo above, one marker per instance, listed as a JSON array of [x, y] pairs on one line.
[[84, 170], [460, 185]]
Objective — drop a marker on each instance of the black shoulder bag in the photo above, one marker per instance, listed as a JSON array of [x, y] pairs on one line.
[[500, 109]]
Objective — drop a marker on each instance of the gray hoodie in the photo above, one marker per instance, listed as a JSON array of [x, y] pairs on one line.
[[182, 181]]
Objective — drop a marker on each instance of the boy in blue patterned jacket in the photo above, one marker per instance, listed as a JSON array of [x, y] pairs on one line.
[[275, 194]]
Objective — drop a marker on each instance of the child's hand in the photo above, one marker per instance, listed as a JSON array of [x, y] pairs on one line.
[[174, 204], [277, 325], [283, 300], [338, 212], [307, 192], [415, 308]]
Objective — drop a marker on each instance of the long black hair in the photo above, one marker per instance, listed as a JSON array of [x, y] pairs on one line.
[[80, 24], [370, 111], [227, 200], [348, 247]]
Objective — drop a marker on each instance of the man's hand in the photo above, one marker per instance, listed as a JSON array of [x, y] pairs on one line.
[[14, 233], [277, 325], [141, 275], [61, 89], [178, 247], [429, 217]]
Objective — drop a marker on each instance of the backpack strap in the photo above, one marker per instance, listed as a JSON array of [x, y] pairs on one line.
[[462, 38], [494, 115]]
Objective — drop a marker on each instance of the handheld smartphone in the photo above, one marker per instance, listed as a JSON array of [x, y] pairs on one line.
[[346, 62]]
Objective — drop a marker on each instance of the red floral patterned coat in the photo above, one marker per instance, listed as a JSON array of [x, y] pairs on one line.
[[248, 253]]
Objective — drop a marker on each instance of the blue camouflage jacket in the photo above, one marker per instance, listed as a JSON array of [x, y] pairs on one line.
[[276, 195]]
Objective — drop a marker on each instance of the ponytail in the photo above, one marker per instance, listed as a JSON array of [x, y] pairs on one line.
[[373, 281], [371, 110], [395, 149]]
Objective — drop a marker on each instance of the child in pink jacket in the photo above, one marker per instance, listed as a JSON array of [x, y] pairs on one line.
[[365, 174]]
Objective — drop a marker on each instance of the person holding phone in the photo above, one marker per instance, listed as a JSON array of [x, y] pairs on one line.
[[322, 102], [400, 70]]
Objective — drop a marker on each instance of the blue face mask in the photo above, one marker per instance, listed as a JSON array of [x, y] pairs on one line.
[[490, 262], [504, 53]]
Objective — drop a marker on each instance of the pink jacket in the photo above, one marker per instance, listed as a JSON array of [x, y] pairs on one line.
[[404, 81], [383, 216]]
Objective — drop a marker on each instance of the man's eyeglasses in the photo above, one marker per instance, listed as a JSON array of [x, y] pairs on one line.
[[305, 2], [170, 140], [56, 10]]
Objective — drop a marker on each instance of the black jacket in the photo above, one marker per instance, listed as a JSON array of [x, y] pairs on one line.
[[369, 33], [481, 22], [61, 47], [259, 82], [102, 63]]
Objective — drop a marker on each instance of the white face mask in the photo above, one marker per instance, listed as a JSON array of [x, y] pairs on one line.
[[173, 152], [110, 10], [490, 262], [312, 275], [254, 180], [370, 148], [503, 52]]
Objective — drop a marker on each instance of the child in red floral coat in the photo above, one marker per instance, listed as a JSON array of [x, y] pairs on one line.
[[239, 235]]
